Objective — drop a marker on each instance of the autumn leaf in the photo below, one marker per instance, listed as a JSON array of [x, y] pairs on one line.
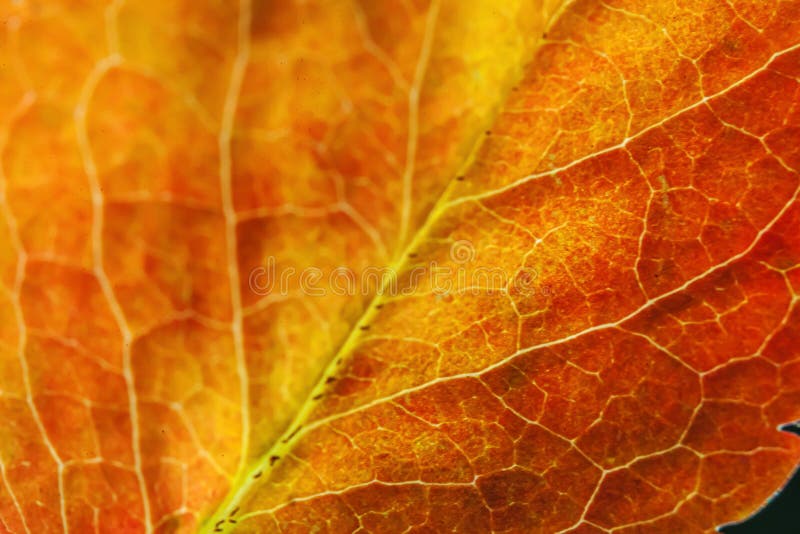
[[610, 189]]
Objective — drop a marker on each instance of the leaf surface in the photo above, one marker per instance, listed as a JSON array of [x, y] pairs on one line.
[[637, 195], [154, 154]]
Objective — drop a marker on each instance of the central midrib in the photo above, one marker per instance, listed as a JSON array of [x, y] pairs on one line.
[[247, 477]]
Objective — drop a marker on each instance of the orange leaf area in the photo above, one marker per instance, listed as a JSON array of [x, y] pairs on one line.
[[629, 168]]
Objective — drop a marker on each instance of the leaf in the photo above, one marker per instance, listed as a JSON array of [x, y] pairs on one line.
[[637, 194], [154, 155]]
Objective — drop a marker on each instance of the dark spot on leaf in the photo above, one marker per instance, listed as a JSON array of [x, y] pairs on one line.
[[293, 434]]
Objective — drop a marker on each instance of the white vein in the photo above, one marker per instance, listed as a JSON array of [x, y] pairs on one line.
[[413, 121], [13, 496], [229, 212], [79, 114], [22, 341]]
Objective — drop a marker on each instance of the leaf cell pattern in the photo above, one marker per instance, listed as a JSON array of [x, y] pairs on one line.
[[643, 165]]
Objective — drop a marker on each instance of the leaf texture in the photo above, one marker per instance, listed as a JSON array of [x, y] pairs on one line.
[[153, 154], [643, 175]]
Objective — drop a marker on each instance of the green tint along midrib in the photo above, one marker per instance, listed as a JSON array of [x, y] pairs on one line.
[[230, 507]]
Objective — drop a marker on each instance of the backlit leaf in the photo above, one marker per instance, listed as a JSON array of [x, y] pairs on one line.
[[609, 190]]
